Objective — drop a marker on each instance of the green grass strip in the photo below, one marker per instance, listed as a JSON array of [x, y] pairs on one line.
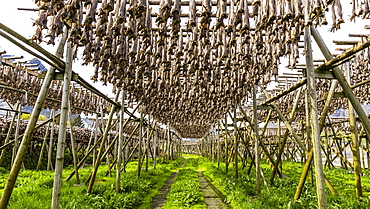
[[185, 192]]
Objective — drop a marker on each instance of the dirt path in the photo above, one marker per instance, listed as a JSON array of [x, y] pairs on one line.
[[161, 198], [212, 200]]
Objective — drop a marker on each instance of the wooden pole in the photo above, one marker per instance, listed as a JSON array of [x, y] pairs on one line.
[[16, 143], [308, 124], [279, 157], [73, 145], [235, 145], [218, 146], [338, 143], [288, 126], [226, 146], [91, 139], [51, 141], [285, 137], [8, 189], [325, 111], [82, 161], [147, 146], [57, 186], [120, 144], [8, 136], [256, 142], [168, 142], [96, 126], [163, 140], [315, 134], [108, 136], [102, 145], [43, 148], [140, 145], [355, 141], [303, 176], [155, 147], [107, 160]]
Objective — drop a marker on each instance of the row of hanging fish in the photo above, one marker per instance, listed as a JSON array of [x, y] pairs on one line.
[[186, 69], [18, 78], [359, 66], [82, 135]]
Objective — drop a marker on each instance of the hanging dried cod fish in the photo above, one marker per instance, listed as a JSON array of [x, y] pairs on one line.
[[221, 13], [337, 15], [192, 15], [206, 18]]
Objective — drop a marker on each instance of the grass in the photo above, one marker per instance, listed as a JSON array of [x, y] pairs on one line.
[[34, 189], [185, 192], [241, 192]]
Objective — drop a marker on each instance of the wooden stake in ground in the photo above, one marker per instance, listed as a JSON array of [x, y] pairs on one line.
[[355, 141], [8, 136], [168, 142], [235, 145], [286, 122], [51, 141], [120, 143], [15, 147], [29, 130], [226, 146], [147, 145], [285, 137], [73, 146], [315, 134], [140, 145], [102, 146], [43, 148], [218, 145], [62, 128], [155, 137], [256, 140]]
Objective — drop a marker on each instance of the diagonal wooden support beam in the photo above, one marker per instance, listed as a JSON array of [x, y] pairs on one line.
[[286, 122], [342, 80], [338, 143], [264, 149], [348, 53], [102, 145], [285, 137], [285, 92], [29, 130]]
